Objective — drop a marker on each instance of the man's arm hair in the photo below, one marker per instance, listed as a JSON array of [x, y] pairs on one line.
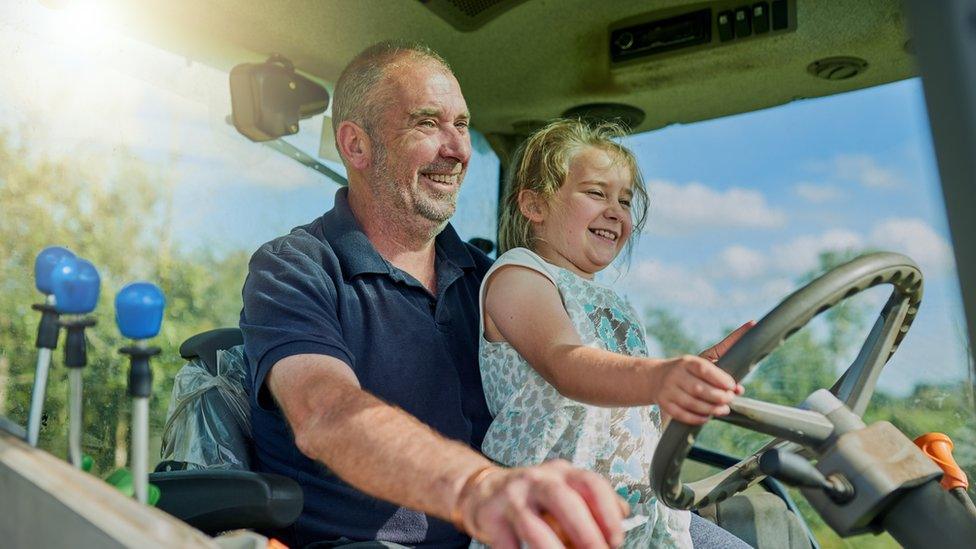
[[376, 447]]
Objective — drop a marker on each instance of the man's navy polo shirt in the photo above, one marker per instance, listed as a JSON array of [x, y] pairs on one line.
[[324, 289]]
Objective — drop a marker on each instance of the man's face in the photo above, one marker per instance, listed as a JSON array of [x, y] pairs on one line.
[[421, 143]]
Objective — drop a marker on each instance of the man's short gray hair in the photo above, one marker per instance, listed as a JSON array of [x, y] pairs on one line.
[[355, 97]]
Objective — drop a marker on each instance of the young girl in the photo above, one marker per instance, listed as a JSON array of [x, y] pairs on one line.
[[563, 358]]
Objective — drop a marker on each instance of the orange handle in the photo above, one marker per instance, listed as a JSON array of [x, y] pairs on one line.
[[938, 447], [557, 529]]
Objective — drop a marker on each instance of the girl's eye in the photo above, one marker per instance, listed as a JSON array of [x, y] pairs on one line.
[[595, 192], [625, 203]]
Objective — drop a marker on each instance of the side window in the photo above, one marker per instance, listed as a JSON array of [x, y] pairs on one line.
[[477, 211], [139, 172]]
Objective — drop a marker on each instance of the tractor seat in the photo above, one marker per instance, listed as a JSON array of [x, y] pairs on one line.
[[205, 477]]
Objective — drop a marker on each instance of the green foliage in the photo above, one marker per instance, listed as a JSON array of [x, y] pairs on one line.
[[113, 211], [667, 329]]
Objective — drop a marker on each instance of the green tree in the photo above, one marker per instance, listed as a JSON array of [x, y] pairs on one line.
[[111, 209]]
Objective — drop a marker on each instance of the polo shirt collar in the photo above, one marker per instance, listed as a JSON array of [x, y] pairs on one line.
[[357, 254]]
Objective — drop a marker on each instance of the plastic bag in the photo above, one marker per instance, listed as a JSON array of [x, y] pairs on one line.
[[208, 424]]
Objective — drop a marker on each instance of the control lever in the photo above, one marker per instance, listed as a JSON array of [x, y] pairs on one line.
[[47, 334], [938, 448], [795, 470], [76, 286], [139, 313]]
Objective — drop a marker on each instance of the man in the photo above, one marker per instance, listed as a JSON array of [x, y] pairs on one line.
[[362, 332]]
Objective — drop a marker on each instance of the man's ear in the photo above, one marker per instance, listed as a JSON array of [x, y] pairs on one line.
[[532, 206], [354, 145]]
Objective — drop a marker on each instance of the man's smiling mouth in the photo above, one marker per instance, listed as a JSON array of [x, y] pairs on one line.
[[443, 178]]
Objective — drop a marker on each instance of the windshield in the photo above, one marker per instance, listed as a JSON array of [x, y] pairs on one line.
[[123, 153], [746, 209]]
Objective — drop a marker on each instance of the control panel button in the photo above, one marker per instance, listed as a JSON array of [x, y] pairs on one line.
[[760, 17], [724, 24], [743, 22], [781, 15]]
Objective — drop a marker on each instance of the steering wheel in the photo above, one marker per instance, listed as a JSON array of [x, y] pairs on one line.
[[794, 428]]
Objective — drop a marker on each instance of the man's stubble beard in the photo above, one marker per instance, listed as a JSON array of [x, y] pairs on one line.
[[438, 207]]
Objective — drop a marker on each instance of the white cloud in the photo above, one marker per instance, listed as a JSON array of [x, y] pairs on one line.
[[740, 263], [801, 254], [863, 169], [916, 239], [815, 193], [671, 284], [678, 209], [776, 288]]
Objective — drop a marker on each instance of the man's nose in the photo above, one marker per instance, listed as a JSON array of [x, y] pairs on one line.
[[456, 144]]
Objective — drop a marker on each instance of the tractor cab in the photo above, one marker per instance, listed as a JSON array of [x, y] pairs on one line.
[[808, 166]]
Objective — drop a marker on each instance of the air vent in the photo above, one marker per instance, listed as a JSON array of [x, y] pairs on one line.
[[469, 15], [837, 68]]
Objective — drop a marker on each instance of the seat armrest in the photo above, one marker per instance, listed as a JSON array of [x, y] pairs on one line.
[[215, 501]]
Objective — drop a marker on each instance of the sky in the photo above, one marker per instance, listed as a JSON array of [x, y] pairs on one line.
[[740, 206]]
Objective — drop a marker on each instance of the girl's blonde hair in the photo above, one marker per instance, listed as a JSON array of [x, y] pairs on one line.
[[541, 165]]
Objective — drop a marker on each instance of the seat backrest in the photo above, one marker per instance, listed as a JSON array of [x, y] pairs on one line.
[[208, 433], [208, 423], [206, 344], [760, 519]]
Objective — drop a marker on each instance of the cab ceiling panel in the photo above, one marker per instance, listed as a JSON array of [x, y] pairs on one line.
[[530, 60]]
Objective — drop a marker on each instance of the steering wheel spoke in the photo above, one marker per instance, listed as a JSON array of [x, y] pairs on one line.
[[803, 427], [856, 386]]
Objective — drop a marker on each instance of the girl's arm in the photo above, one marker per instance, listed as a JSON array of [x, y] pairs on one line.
[[523, 307]]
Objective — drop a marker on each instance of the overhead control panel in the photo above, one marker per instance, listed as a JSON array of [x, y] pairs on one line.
[[693, 28]]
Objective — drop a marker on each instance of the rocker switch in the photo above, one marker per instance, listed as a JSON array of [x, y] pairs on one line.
[[724, 24], [743, 22], [760, 17]]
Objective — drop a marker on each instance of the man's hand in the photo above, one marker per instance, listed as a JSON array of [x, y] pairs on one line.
[[512, 507]]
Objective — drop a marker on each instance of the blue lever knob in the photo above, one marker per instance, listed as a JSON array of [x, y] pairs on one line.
[[139, 310], [76, 284], [44, 265]]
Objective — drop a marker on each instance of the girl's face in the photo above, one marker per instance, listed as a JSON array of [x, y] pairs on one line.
[[588, 221]]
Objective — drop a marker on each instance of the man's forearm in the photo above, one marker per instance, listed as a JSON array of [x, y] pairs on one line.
[[378, 448]]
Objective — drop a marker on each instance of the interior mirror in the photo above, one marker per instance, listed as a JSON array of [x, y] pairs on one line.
[[268, 99]]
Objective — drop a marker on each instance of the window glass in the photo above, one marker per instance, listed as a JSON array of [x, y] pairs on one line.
[[746, 209], [123, 153]]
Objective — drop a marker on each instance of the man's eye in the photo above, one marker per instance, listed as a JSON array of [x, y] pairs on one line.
[[428, 123], [462, 124]]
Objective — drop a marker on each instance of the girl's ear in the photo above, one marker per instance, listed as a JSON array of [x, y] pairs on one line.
[[532, 206], [354, 145]]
